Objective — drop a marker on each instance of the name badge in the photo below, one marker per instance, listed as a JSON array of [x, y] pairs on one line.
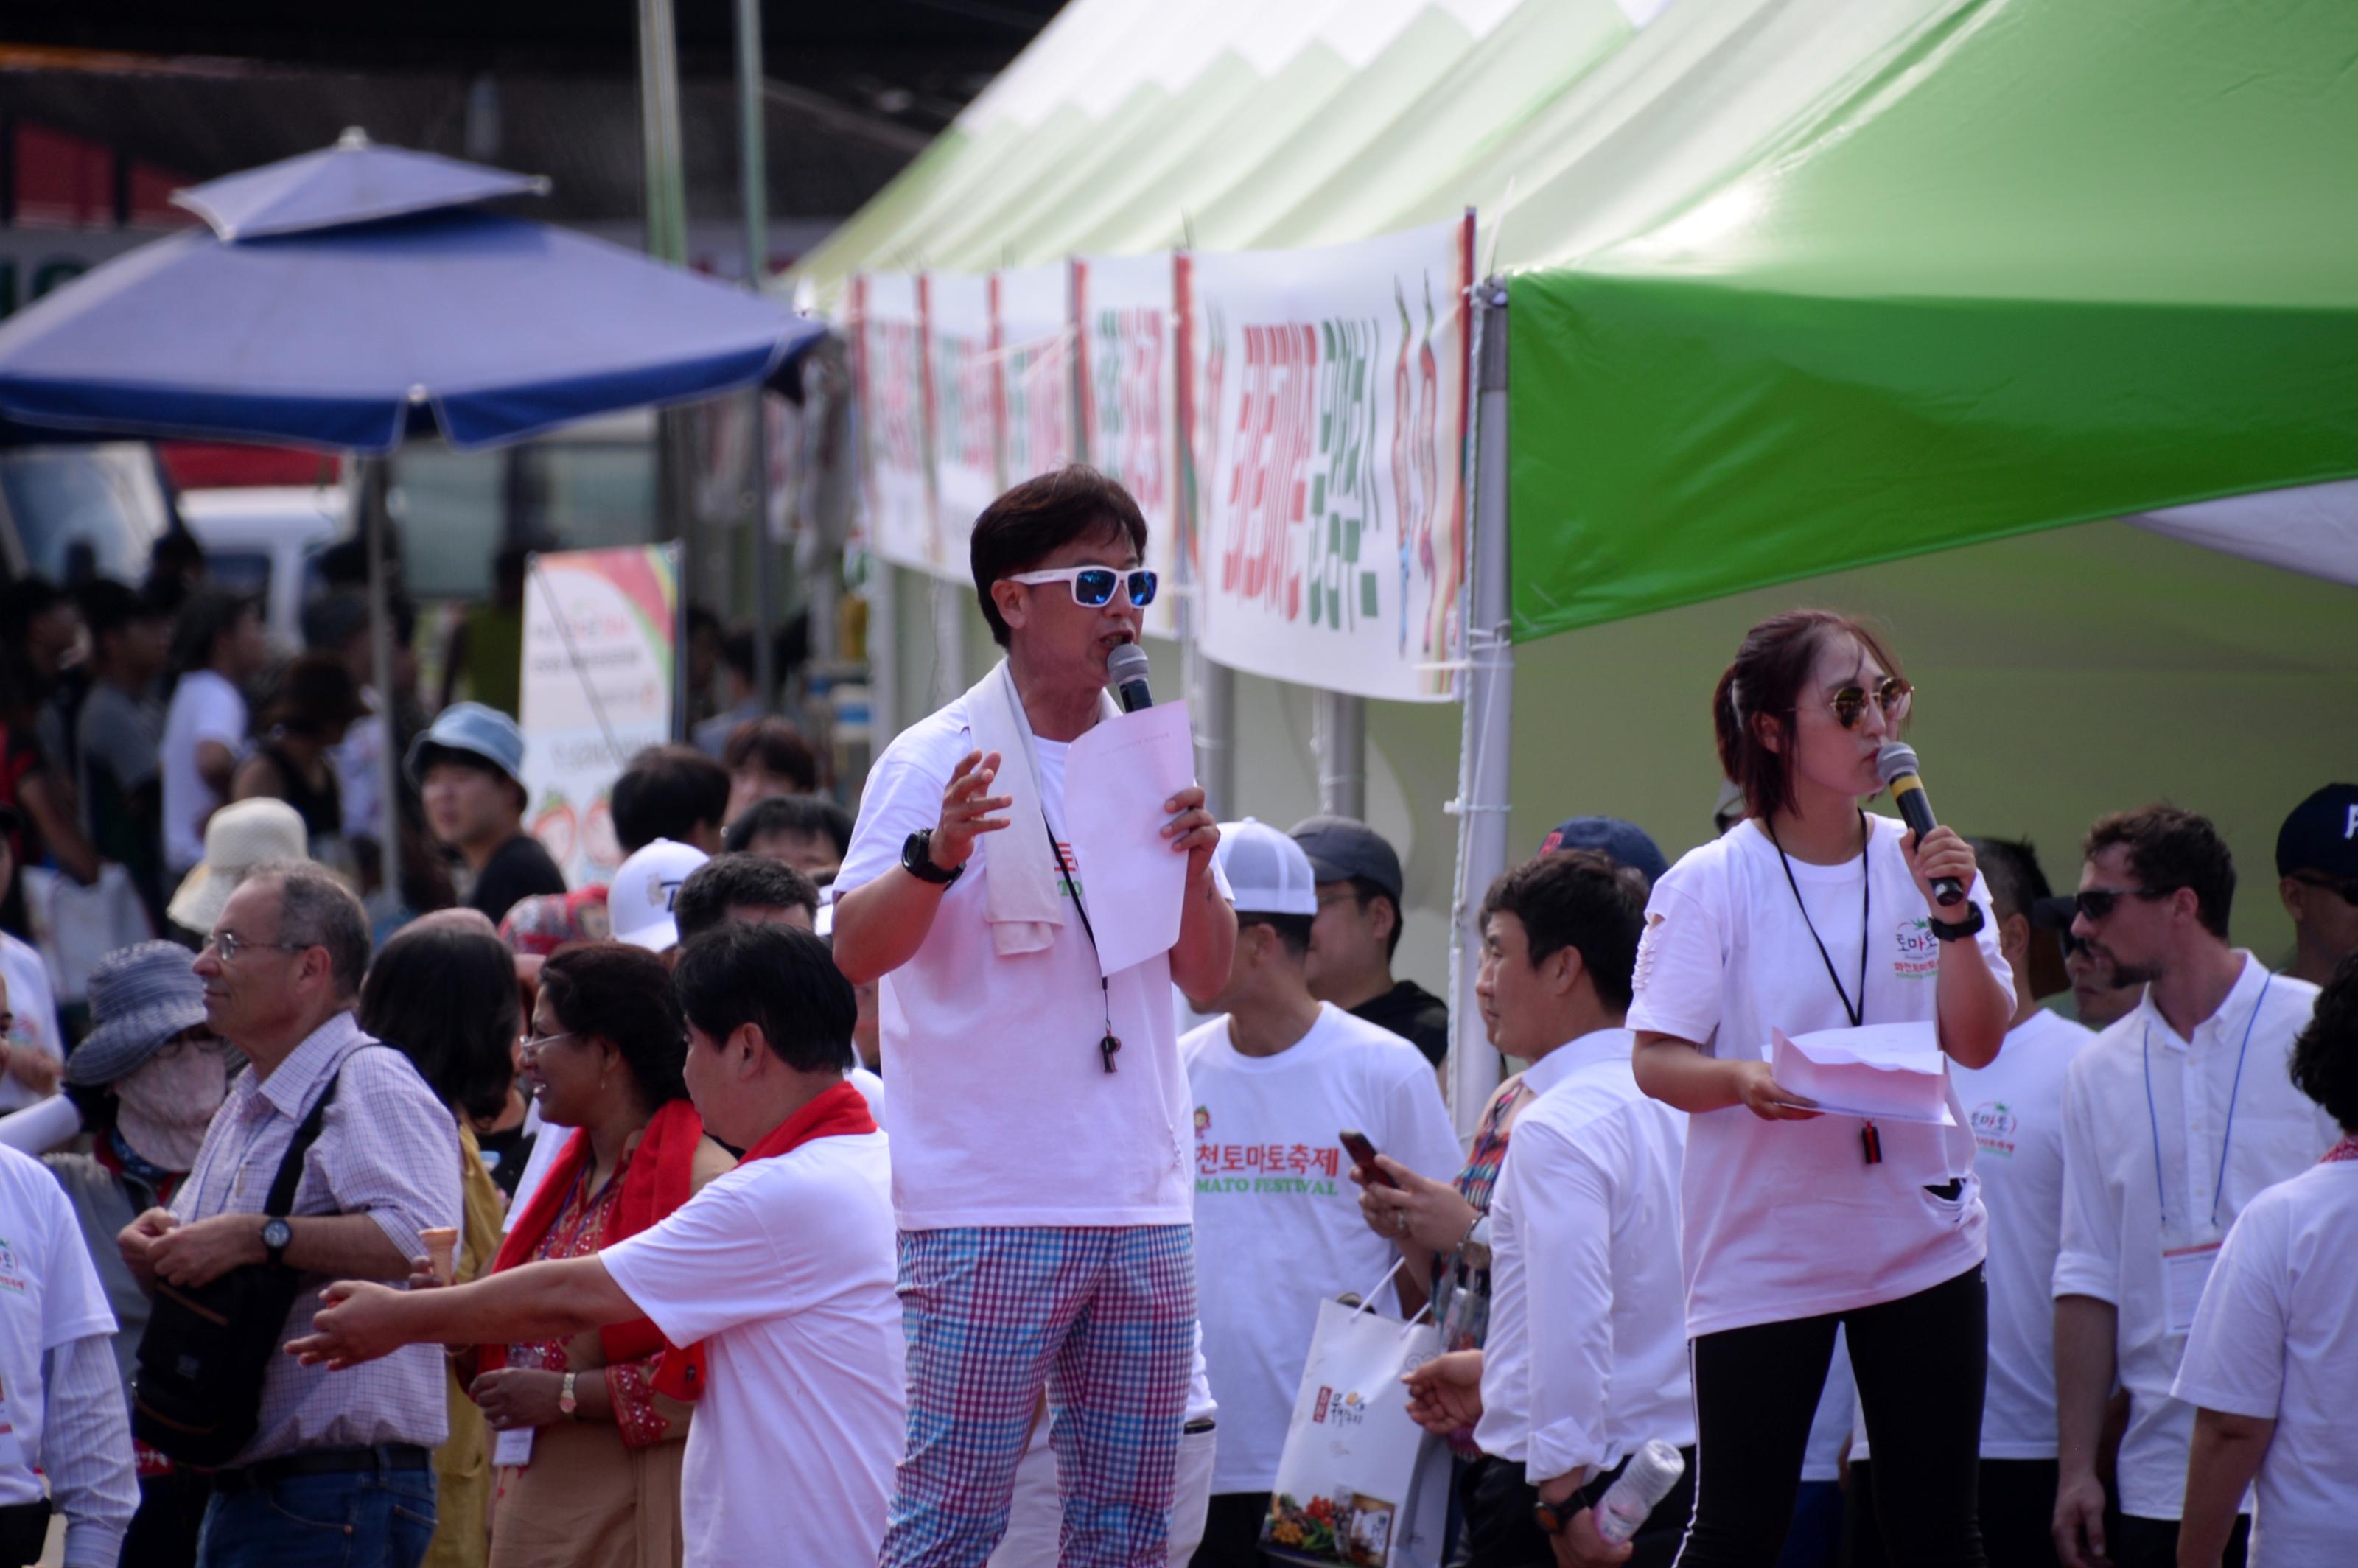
[[514, 1446], [2184, 1272]]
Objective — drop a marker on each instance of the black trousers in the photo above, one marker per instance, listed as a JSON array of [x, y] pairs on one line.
[[2153, 1542], [1920, 1363], [1232, 1532], [171, 1512], [1498, 1531], [2017, 1509]]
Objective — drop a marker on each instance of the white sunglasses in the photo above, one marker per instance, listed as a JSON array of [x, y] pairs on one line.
[[1093, 586]]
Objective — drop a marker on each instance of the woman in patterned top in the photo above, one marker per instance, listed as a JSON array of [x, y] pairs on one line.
[[589, 1431]]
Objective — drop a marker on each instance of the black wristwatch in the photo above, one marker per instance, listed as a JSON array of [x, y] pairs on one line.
[[1958, 930], [1551, 1518], [276, 1235], [918, 859]]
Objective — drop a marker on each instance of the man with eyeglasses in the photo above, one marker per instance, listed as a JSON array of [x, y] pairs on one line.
[[2175, 1117], [281, 972], [2316, 871], [1042, 1174]]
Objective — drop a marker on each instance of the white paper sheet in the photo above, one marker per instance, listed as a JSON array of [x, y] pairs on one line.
[[1116, 778], [1877, 1071]]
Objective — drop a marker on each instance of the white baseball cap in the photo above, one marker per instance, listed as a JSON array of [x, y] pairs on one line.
[[639, 899], [1268, 873]]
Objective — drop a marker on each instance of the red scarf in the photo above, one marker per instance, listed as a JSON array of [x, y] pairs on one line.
[[657, 1181], [2345, 1150]]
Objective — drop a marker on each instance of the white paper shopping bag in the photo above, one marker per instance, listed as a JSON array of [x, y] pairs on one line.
[[1356, 1485]]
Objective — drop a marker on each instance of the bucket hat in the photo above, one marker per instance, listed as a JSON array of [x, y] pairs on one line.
[[241, 836], [140, 995], [473, 730]]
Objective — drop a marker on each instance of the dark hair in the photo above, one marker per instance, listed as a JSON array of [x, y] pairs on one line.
[[1293, 930], [780, 978], [432, 755], [1366, 888], [738, 882], [737, 651], [2172, 848], [775, 747], [664, 793], [791, 814], [1581, 899], [316, 692], [1033, 520], [622, 993], [447, 999], [1764, 682], [2011, 866], [110, 606], [2325, 1053], [208, 616], [317, 911]]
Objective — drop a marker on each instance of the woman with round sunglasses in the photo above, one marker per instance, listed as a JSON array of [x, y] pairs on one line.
[[1811, 914]]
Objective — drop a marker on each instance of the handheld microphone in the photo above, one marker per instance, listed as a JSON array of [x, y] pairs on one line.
[[1126, 667], [1896, 765]]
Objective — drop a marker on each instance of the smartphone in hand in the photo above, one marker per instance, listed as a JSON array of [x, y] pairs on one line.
[[1363, 1155]]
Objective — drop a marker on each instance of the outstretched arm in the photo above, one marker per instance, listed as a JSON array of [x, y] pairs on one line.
[[555, 1300]]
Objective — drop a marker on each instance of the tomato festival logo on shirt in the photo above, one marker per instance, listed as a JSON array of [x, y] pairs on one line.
[[1068, 881], [1995, 1127], [1264, 1167], [1920, 951], [10, 1278]]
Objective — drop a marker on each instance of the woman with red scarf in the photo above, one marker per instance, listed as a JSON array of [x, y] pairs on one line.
[[588, 1428]]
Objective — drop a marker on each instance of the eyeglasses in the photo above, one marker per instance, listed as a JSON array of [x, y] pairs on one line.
[[2343, 888], [1093, 586], [228, 945], [1895, 697], [532, 1048], [2098, 903]]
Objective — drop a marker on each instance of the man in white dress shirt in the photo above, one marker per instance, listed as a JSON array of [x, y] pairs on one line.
[[2175, 1119], [1586, 1355]]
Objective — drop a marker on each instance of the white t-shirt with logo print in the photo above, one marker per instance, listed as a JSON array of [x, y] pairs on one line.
[[1002, 1111], [1786, 1219], [50, 1296]]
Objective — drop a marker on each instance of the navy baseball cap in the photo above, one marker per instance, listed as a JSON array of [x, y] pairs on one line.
[[1626, 843], [1342, 847], [2322, 834]]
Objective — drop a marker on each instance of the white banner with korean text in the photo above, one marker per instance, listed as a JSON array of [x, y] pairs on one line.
[[963, 414], [1330, 401], [896, 467], [1126, 323], [1032, 317]]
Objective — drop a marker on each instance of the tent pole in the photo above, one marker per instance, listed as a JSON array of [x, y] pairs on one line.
[[664, 191], [375, 523], [752, 165], [1489, 699], [1338, 736], [883, 656], [949, 641]]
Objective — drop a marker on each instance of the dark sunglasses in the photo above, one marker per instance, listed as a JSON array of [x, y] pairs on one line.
[[1894, 697], [2098, 903], [2343, 888], [1093, 586]]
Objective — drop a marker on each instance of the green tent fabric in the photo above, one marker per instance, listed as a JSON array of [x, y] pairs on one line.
[[2037, 262]]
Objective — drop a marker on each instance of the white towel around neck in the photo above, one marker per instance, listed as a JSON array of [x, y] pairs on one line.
[[1020, 902]]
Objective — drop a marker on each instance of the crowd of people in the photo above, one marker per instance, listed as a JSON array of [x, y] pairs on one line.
[[808, 1192]]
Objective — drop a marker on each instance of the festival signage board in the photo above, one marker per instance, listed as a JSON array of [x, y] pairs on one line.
[[1125, 321], [888, 339], [1032, 320], [601, 629], [1329, 408], [963, 410]]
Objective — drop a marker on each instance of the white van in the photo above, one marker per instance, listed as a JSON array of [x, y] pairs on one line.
[[263, 540]]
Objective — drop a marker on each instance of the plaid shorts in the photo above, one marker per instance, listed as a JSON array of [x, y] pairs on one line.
[[1104, 1318]]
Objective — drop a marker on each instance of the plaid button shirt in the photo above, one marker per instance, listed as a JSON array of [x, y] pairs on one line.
[[387, 1149]]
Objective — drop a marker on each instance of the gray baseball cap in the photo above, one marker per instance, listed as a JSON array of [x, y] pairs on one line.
[[1342, 847]]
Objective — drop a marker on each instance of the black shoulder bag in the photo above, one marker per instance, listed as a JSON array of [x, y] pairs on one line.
[[196, 1394]]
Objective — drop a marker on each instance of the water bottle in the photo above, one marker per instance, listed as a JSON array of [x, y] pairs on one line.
[[1652, 1471]]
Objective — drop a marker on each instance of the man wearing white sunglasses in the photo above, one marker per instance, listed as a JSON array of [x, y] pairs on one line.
[[1042, 1174]]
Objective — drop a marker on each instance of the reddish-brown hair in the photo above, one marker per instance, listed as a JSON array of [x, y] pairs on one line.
[[1764, 682]]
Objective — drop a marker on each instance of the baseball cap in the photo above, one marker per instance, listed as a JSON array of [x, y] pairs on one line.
[[1267, 871], [472, 728], [2322, 834], [1626, 843], [1342, 847], [639, 899]]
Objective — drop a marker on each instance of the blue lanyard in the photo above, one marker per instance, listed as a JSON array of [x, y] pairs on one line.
[[2226, 1136]]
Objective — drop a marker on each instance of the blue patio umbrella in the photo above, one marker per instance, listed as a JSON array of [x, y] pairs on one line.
[[359, 295], [352, 297]]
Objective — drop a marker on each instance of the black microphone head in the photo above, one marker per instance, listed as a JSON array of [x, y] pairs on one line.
[[1896, 758], [1127, 664]]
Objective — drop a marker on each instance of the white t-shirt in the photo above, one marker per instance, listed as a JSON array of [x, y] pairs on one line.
[[205, 706], [50, 1296], [36, 1011], [1002, 1111], [785, 1268], [1278, 1228], [872, 1088], [2277, 1340], [1786, 1219]]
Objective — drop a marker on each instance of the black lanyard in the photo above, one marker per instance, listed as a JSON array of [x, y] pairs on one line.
[[1112, 1043], [1855, 1013]]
